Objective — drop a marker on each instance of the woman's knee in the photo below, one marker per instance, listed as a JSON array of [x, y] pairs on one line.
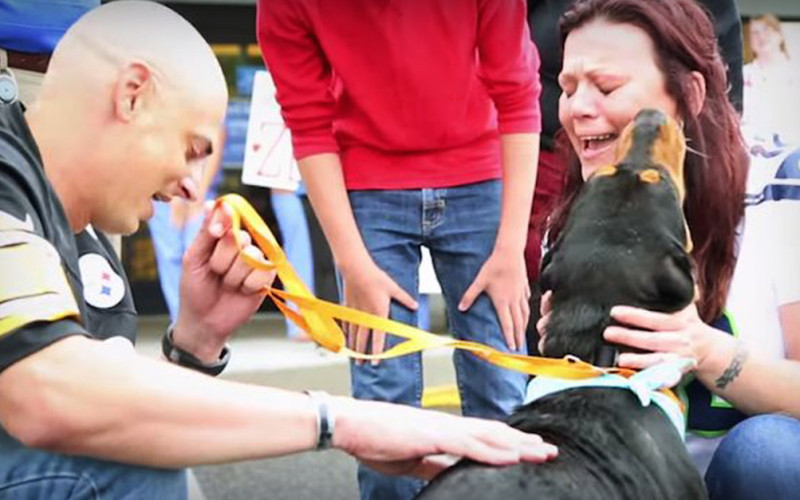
[[759, 455], [765, 435]]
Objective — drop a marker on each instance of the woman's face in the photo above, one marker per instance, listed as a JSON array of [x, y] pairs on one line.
[[609, 75], [764, 39]]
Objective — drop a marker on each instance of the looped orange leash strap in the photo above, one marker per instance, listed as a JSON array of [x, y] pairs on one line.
[[317, 317]]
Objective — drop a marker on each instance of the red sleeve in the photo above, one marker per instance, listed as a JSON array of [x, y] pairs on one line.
[[509, 64], [301, 73]]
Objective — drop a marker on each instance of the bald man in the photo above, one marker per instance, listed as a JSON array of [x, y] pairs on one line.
[[128, 112]]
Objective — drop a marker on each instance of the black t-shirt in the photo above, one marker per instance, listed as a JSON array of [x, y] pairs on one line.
[[42, 297]]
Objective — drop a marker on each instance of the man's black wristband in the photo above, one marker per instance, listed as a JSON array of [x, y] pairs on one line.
[[179, 356]]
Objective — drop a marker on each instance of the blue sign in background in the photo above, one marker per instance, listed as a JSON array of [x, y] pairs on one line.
[[237, 116], [245, 74], [236, 133]]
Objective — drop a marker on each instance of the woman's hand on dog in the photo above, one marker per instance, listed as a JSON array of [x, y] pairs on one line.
[[505, 280], [396, 439], [665, 336]]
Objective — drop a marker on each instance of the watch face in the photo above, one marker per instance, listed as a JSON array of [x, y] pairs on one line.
[[8, 88]]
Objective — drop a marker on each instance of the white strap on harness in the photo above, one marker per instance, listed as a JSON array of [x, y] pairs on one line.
[[645, 385]]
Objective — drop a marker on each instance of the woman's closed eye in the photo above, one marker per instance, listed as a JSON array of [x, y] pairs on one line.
[[607, 84], [607, 89]]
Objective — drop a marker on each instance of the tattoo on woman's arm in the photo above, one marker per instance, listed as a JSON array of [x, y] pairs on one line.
[[733, 370]]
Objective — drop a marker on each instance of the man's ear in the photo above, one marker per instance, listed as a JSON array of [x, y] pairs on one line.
[[133, 85], [697, 95]]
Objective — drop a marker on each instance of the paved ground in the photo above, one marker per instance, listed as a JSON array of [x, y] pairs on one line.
[[260, 354], [328, 475]]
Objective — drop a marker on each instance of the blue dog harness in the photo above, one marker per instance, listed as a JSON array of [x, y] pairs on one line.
[[645, 385]]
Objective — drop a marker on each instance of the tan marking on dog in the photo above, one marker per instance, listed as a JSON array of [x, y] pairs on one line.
[[650, 176], [689, 243], [670, 152], [625, 143], [606, 171]]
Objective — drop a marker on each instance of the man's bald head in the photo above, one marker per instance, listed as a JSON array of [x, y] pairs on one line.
[[133, 30], [131, 104]]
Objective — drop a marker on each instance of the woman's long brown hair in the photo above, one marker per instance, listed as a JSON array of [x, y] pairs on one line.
[[716, 163]]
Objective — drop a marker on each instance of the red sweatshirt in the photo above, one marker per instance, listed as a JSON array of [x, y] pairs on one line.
[[411, 93]]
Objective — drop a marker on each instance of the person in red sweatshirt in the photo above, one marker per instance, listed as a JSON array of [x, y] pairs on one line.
[[416, 122]]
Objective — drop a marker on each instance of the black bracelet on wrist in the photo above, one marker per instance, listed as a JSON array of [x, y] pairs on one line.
[[188, 360]]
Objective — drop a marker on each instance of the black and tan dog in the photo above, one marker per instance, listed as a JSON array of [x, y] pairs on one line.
[[625, 242]]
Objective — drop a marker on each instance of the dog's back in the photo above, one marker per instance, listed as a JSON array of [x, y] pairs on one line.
[[610, 447], [625, 242]]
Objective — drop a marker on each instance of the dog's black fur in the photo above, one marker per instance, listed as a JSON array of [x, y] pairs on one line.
[[625, 242]]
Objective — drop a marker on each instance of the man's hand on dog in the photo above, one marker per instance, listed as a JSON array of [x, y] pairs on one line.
[[368, 288], [409, 441], [504, 279]]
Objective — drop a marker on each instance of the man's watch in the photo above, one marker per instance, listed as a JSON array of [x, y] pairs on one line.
[[9, 90], [188, 360]]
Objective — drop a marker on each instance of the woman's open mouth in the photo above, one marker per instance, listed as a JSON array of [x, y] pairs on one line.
[[596, 145]]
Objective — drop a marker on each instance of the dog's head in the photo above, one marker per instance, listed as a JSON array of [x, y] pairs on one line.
[[625, 240], [652, 145], [653, 139]]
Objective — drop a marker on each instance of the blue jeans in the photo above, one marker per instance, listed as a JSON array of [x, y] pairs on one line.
[[423, 312], [459, 226], [30, 474], [291, 217], [759, 458]]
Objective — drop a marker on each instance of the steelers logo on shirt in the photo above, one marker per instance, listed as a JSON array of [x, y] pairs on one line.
[[102, 287]]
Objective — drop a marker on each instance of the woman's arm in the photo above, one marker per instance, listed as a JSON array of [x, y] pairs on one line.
[[752, 382]]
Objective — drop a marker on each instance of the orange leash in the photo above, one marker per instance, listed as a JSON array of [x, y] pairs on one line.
[[318, 317]]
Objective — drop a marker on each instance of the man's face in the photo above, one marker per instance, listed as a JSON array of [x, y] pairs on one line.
[[162, 155]]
